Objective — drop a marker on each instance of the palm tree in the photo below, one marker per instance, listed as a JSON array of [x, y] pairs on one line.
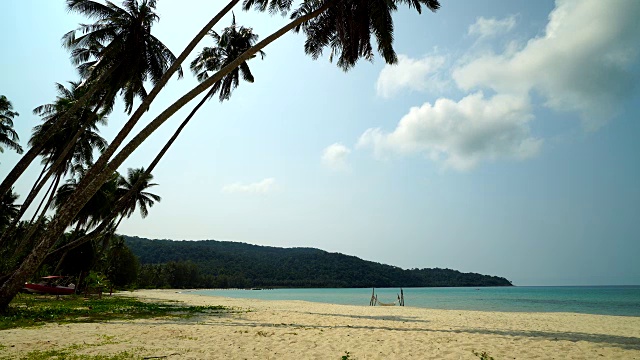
[[117, 198], [8, 208], [118, 49], [345, 26], [97, 208], [80, 131], [8, 136], [116, 53], [137, 181], [233, 42]]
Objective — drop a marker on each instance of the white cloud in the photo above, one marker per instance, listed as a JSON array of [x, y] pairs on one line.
[[580, 64], [335, 156], [408, 73], [461, 134], [261, 187], [485, 28]]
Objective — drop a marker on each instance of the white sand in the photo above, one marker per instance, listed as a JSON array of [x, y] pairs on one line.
[[304, 330]]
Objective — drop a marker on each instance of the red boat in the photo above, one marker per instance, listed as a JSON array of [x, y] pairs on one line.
[[51, 285]]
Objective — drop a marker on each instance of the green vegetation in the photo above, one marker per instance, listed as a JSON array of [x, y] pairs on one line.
[[220, 264], [8, 136], [346, 356], [483, 355], [29, 310], [69, 354]]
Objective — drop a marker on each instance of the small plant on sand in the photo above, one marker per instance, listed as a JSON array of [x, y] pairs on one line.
[[483, 355], [347, 356]]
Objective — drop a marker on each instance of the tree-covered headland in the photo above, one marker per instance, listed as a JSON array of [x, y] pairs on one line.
[[224, 264]]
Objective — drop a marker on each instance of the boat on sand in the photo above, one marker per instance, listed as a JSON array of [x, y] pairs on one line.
[[53, 285]]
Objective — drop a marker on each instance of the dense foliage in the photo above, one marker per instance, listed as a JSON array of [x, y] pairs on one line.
[[210, 263]]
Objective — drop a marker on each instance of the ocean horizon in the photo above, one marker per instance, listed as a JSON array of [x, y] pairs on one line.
[[620, 300]]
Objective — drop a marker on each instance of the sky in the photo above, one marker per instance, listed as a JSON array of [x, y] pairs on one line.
[[503, 142]]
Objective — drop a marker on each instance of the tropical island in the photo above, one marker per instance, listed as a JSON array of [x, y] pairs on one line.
[[225, 264]]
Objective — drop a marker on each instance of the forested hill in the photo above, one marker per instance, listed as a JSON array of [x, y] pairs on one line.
[[233, 264]]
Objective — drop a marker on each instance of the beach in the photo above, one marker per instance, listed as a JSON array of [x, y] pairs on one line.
[[259, 329]]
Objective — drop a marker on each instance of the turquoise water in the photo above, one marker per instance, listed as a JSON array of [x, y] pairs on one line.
[[604, 300]]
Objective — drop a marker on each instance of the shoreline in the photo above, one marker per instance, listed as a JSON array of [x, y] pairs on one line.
[[293, 329]]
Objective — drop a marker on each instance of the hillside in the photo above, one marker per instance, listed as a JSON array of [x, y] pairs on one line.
[[234, 264]]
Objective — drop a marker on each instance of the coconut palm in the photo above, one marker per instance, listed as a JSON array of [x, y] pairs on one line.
[[115, 54], [118, 49], [233, 42], [8, 208], [8, 136], [97, 208], [80, 131], [345, 26], [85, 120], [140, 198], [128, 194]]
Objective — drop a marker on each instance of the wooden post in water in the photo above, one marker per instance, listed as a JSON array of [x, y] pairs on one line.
[[401, 297], [373, 294]]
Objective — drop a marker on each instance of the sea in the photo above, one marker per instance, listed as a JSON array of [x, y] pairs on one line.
[[601, 300]]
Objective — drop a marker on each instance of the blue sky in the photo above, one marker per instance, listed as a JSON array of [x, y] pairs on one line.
[[504, 141]]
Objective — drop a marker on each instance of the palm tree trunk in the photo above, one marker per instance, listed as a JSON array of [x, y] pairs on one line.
[[53, 169], [55, 271], [118, 208], [51, 197], [144, 106], [53, 186], [120, 204], [96, 176], [35, 150], [34, 192], [95, 170], [9, 230]]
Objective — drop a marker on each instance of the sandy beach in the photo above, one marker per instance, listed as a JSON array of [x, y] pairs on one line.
[[305, 330]]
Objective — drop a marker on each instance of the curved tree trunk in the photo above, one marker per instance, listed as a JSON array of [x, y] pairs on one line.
[[48, 197], [11, 286], [164, 150], [35, 150], [119, 207], [34, 191], [9, 230], [87, 188], [93, 182]]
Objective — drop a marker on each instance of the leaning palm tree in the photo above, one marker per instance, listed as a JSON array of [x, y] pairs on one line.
[[233, 41], [117, 53], [97, 208], [8, 136], [229, 45], [111, 205], [345, 26], [141, 199], [118, 49], [80, 131]]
